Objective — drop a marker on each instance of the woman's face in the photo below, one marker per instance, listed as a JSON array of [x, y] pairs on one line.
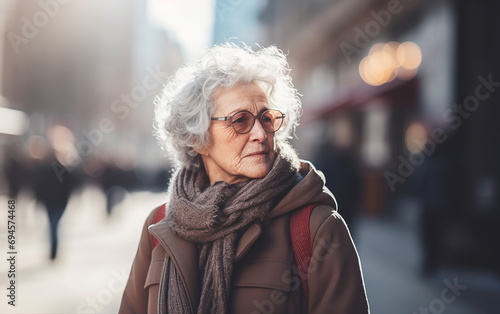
[[233, 157]]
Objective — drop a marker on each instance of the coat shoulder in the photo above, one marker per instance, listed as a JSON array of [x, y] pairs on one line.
[[320, 215], [135, 297], [151, 217]]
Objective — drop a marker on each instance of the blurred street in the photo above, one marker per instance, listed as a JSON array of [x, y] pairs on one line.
[[389, 252], [96, 253], [399, 111]]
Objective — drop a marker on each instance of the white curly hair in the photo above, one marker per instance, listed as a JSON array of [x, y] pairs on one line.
[[185, 106]]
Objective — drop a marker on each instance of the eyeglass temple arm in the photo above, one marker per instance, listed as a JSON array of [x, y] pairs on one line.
[[227, 118]]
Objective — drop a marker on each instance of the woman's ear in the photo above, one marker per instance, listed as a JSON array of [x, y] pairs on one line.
[[205, 150], [202, 151]]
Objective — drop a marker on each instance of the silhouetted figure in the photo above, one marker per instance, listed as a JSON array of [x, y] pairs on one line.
[[115, 183], [343, 178], [14, 170], [433, 185], [51, 190]]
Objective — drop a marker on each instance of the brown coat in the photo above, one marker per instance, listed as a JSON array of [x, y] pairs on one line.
[[265, 279]]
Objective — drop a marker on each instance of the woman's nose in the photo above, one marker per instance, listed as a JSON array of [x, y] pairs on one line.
[[257, 133]]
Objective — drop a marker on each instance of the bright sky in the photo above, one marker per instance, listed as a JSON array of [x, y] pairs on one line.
[[189, 22]]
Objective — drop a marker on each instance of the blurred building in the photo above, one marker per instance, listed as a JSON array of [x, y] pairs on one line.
[[370, 71], [237, 21], [94, 67]]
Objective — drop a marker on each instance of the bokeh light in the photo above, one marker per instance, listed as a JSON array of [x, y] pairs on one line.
[[387, 61], [415, 137], [409, 55]]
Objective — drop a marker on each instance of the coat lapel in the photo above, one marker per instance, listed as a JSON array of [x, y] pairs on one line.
[[246, 240], [184, 255]]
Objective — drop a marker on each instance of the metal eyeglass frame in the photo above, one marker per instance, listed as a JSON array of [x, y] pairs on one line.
[[260, 115]]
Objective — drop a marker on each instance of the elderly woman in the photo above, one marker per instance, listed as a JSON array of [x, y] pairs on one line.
[[248, 228]]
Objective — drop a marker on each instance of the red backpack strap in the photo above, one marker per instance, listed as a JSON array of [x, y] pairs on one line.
[[159, 215], [301, 243]]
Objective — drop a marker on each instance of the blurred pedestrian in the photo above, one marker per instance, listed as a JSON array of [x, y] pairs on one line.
[[50, 189], [339, 165], [14, 167], [434, 184]]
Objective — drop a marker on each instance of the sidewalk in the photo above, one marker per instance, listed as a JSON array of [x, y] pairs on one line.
[[389, 253], [94, 258], [96, 253]]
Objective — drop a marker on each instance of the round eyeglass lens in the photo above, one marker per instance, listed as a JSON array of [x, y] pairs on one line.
[[242, 121], [271, 120]]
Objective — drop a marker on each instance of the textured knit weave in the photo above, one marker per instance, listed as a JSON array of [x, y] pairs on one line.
[[213, 217]]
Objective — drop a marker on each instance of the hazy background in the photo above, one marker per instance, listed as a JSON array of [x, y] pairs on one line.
[[400, 107]]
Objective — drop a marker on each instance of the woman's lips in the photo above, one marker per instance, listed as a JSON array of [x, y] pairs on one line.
[[261, 153]]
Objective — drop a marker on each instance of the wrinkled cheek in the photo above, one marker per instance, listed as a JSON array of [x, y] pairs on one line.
[[265, 167], [250, 168], [239, 165]]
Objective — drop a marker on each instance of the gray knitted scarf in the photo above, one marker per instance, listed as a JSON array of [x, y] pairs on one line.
[[214, 217]]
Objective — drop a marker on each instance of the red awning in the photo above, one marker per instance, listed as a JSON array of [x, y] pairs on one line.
[[398, 91]]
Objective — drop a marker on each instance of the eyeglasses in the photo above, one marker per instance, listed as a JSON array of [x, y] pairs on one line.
[[243, 121]]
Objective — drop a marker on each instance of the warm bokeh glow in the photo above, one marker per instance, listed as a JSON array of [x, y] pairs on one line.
[[60, 137], [38, 148], [387, 61], [409, 55], [415, 137]]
